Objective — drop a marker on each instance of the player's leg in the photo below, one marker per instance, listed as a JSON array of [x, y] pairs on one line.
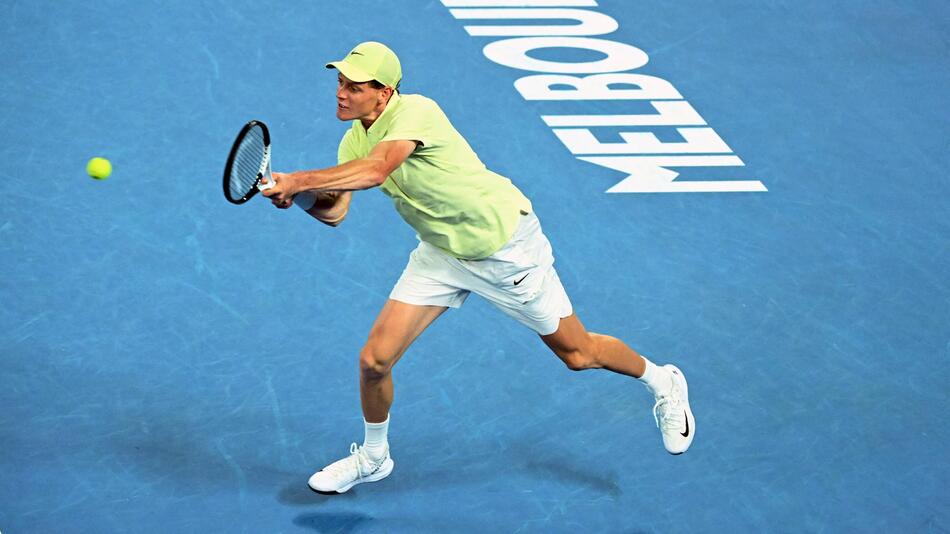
[[395, 328], [580, 349], [521, 281], [423, 292]]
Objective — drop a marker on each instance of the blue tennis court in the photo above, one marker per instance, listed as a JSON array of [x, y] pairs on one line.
[[172, 363]]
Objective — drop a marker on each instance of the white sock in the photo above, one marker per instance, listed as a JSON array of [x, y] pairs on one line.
[[656, 379], [376, 443]]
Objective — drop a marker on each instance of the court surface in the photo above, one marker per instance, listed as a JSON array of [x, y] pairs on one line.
[[173, 363]]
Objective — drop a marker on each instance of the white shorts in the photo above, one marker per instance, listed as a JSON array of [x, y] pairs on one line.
[[519, 279]]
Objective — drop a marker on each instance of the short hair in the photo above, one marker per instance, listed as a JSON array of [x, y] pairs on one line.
[[375, 84]]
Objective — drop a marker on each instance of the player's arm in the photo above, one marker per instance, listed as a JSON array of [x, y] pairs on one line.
[[361, 173], [333, 185], [331, 207]]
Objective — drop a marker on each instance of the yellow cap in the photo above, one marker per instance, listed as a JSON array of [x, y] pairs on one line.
[[370, 61]]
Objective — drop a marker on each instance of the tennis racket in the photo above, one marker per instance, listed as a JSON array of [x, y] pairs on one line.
[[248, 168]]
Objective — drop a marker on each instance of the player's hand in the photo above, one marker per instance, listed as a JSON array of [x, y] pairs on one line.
[[282, 194], [282, 204]]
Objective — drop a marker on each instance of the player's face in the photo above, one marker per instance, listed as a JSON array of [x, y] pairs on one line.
[[355, 100]]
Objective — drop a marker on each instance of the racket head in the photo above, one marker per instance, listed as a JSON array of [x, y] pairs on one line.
[[248, 163]]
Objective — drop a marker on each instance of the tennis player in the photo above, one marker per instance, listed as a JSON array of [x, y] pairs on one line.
[[478, 234]]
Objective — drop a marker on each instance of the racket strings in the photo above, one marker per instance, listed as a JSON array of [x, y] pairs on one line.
[[247, 163]]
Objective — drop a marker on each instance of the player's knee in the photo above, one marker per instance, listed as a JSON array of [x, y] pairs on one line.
[[580, 357], [374, 364], [573, 360]]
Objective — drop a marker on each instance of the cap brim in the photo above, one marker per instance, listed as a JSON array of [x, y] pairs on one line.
[[354, 74]]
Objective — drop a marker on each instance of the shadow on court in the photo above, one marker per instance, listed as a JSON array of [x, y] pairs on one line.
[[297, 493], [573, 475], [341, 522]]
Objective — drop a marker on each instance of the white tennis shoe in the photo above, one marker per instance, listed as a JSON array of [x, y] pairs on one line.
[[672, 414], [356, 468]]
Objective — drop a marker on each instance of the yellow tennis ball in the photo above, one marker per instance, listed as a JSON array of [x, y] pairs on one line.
[[99, 168]]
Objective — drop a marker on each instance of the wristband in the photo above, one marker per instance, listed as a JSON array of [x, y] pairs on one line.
[[305, 199]]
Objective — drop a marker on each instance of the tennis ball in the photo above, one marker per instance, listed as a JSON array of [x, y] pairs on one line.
[[99, 168]]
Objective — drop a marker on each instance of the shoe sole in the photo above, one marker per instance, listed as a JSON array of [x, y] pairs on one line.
[[383, 472], [689, 412]]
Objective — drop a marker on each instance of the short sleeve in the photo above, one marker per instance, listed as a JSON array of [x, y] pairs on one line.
[[416, 120]]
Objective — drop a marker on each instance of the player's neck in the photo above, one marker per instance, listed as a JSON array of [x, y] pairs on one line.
[[377, 111], [368, 122]]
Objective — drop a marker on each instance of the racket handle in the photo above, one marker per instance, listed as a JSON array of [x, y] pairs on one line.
[[267, 181]]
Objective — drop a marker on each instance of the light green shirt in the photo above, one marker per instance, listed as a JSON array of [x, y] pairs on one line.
[[442, 189]]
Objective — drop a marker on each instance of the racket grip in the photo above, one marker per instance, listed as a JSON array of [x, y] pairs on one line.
[[269, 184]]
